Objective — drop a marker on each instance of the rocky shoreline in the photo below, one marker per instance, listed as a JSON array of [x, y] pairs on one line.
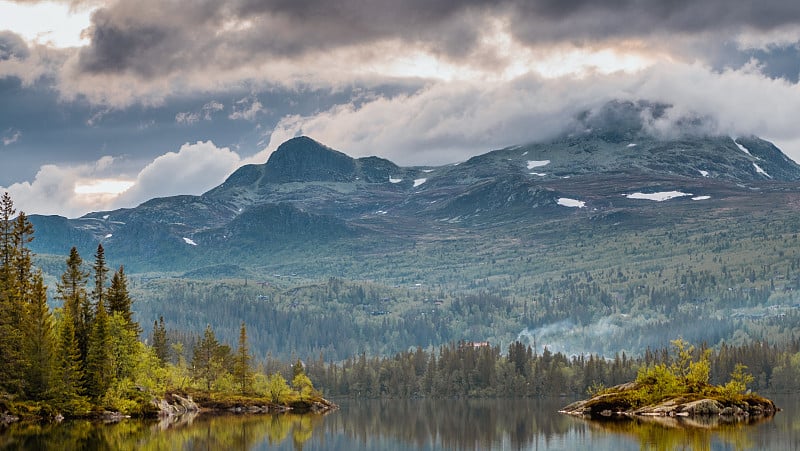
[[614, 403], [175, 405]]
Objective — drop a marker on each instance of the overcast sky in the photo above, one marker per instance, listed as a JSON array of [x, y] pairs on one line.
[[164, 97]]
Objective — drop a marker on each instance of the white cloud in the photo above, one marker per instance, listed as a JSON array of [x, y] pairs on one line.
[[187, 118], [11, 136], [62, 190], [447, 122], [246, 109], [194, 169]]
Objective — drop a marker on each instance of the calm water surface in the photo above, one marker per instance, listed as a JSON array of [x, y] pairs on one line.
[[422, 425]]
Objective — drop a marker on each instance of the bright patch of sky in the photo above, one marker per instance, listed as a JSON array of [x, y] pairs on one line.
[[574, 203], [46, 22], [658, 197], [103, 186]]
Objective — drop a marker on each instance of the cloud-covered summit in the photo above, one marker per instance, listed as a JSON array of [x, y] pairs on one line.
[[417, 82]]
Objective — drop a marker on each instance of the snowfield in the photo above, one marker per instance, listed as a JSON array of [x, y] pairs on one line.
[[658, 197], [537, 163], [189, 241], [761, 171], [742, 148], [574, 203], [418, 182], [703, 173], [391, 180], [701, 198]]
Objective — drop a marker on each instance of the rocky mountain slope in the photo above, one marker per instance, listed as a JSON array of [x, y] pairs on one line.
[[610, 168]]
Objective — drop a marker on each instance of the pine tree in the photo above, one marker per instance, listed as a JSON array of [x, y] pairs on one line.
[[119, 299], [205, 359], [40, 342], [160, 342], [14, 363], [69, 377], [242, 372], [72, 290], [99, 367], [100, 276]]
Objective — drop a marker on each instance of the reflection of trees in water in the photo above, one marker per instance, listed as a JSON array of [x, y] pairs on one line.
[[669, 433], [454, 424], [226, 432]]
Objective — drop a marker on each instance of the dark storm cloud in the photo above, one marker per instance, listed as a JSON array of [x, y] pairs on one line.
[[12, 46], [153, 38]]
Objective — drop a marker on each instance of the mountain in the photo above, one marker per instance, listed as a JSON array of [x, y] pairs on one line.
[[309, 195], [617, 235]]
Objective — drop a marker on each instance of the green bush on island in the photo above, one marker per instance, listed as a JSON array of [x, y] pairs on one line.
[[684, 379]]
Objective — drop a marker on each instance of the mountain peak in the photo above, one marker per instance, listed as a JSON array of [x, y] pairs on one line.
[[302, 159]]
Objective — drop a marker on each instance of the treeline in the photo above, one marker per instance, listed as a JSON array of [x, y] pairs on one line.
[[467, 369], [86, 355]]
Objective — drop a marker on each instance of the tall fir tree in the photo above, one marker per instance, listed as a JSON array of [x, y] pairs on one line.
[[72, 290], [13, 361], [206, 364], [99, 366], [40, 343], [69, 378], [160, 341], [242, 371], [119, 299], [100, 276]]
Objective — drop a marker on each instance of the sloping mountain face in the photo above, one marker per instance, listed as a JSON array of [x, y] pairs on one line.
[[308, 196]]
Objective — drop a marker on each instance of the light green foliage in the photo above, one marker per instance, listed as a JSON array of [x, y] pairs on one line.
[[277, 390], [302, 384], [738, 383]]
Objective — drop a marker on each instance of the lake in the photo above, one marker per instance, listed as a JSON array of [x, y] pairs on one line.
[[410, 424]]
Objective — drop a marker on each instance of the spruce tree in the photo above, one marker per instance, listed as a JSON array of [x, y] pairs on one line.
[[160, 342], [100, 276], [119, 299], [99, 365], [242, 372], [69, 377], [13, 362], [40, 342], [206, 364], [72, 290]]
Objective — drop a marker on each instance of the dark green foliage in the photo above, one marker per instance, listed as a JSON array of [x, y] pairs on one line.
[[99, 370], [40, 343], [72, 290], [119, 299], [242, 367], [208, 359], [160, 341]]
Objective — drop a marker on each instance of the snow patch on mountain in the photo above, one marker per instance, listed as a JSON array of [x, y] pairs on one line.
[[761, 171], [418, 182], [391, 180], [742, 148], [701, 198], [537, 163], [567, 202], [703, 173], [659, 196], [189, 241]]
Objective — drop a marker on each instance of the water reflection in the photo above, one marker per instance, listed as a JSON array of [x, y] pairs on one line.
[[412, 424]]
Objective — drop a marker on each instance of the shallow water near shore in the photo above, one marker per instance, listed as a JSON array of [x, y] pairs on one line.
[[413, 424]]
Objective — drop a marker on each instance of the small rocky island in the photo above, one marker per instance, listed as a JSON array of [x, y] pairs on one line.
[[679, 388]]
